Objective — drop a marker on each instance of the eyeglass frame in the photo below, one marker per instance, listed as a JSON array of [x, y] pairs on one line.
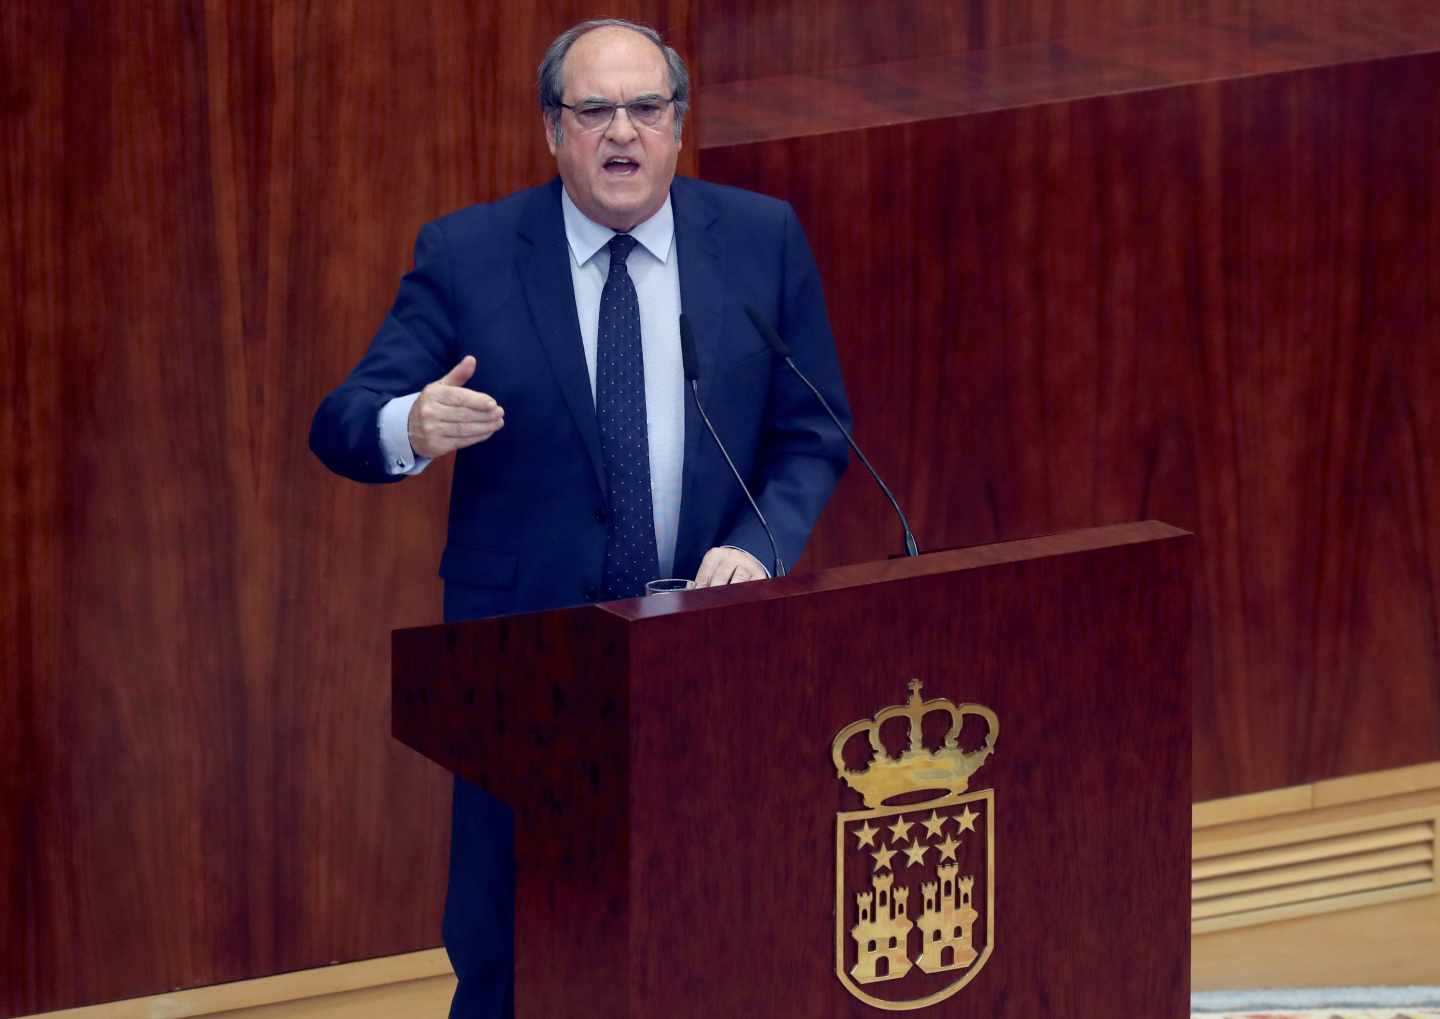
[[615, 107]]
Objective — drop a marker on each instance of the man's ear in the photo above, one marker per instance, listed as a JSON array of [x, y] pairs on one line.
[[549, 124]]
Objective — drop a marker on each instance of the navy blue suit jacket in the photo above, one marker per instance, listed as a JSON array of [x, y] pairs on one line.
[[528, 506]]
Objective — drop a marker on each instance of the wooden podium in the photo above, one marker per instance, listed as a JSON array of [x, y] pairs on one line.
[[684, 839]]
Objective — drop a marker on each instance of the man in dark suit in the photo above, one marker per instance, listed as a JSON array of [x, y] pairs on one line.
[[537, 337]]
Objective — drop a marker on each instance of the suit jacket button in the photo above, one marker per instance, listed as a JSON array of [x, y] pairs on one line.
[[601, 516], [589, 591]]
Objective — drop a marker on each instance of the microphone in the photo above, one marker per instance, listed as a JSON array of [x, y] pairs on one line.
[[692, 376], [783, 350]]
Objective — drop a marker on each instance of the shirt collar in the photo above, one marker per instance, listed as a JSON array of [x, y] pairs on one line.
[[586, 236]]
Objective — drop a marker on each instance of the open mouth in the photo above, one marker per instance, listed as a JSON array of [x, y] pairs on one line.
[[620, 166]]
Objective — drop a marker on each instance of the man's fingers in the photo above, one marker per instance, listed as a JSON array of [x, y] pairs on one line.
[[455, 396], [724, 565], [727, 566], [449, 412], [448, 417], [706, 573], [460, 374], [439, 440], [470, 431], [442, 433]]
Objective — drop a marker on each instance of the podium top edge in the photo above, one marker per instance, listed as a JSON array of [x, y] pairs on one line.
[[838, 578], [859, 574]]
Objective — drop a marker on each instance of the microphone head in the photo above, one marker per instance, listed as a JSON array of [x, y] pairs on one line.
[[687, 348], [767, 331]]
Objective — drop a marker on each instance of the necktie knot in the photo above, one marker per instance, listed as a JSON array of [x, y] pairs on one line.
[[620, 247]]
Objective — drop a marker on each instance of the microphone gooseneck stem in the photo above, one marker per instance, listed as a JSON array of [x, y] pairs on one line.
[[774, 548], [911, 549], [782, 350]]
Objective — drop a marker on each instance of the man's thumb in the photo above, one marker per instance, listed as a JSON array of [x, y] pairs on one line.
[[460, 374]]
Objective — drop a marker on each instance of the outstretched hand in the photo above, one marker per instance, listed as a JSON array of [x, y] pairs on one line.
[[447, 416]]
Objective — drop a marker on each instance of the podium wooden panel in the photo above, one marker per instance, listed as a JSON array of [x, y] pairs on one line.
[[669, 762]]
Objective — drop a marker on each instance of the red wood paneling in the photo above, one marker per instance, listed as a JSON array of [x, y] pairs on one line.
[[1137, 59], [1208, 305], [208, 208], [748, 39]]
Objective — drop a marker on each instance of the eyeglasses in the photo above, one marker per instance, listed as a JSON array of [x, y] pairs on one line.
[[597, 116]]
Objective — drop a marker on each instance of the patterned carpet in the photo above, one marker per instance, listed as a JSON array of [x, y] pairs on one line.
[[1387, 1013], [1319, 1003]]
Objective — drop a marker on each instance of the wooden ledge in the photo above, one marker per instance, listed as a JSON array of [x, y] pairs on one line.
[[1162, 56], [285, 987]]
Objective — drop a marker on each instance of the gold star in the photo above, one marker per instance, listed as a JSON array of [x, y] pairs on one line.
[[934, 823], [967, 819], [947, 848], [866, 834], [882, 858], [900, 830], [915, 855]]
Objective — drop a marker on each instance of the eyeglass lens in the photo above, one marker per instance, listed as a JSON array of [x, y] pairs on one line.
[[642, 111]]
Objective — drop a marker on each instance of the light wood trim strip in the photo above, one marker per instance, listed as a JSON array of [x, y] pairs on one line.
[[1216, 924], [1392, 878], [1305, 848], [1315, 870], [1376, 785], [295, 986], [1270, 803], [1327, 793], [1351, 819]]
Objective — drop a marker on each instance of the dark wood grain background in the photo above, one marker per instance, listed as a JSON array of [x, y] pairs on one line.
[[207, 210], [1208, 303], [743, 40]]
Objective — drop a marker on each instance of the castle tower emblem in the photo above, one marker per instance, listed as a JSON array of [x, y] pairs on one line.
[[914, 869]]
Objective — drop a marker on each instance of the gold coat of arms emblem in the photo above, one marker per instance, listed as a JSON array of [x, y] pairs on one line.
[[915, 869]]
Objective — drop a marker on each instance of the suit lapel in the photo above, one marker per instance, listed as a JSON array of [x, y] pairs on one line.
[[545, 269], [702, 298]]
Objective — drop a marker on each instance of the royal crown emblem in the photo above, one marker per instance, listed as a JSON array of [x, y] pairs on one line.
[[917, 769], [914, 871]]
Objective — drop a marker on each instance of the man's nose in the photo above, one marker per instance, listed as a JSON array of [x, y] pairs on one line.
[[622, 128]]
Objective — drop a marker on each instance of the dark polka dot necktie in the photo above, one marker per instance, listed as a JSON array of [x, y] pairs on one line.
[[631, 559]]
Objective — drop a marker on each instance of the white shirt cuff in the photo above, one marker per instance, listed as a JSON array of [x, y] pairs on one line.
[[400, 457]]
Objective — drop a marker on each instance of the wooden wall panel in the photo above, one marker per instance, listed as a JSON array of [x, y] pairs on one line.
[[1126, 60], [208, 208], [748, 39], [1209, 305]]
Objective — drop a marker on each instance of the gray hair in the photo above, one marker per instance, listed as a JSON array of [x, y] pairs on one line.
[[551, 76]]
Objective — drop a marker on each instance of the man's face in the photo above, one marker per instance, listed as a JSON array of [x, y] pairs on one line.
[[619, 175]]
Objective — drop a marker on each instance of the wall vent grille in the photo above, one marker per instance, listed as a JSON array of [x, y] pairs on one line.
[[1300, 868]]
